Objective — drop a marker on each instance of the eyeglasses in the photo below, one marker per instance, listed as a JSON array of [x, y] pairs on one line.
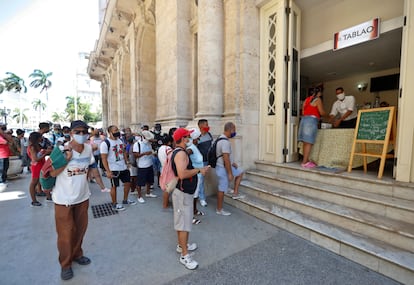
[[78, 132]]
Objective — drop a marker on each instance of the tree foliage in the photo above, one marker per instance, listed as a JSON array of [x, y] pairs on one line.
[[84, 111], [16, 115], [41, 79], [13, 83]]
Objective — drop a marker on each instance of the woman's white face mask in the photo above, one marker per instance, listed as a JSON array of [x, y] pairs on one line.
[[340, 96], [189, 143]]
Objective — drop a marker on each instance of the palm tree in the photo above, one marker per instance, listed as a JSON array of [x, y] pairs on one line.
[[41, 79], [16, 116], [38, 104], [59, 117], [13, 83]]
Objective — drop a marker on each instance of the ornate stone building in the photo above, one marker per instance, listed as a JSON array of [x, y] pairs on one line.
[[251, 62]]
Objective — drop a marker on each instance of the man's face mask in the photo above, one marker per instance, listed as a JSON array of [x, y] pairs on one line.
[[340, 96]]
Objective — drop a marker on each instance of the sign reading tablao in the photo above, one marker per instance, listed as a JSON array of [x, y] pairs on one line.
[[358, 34]]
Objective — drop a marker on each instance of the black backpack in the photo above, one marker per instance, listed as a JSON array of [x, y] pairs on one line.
[[211, 154]]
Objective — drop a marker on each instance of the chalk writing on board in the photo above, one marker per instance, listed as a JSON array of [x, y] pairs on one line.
[[373, 125]]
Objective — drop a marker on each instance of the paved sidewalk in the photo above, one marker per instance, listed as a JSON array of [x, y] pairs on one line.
[[137, 246]]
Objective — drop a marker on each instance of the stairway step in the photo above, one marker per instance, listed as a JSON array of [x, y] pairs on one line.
[[379, 227], [386, 186], [335, 238], [392, 207]]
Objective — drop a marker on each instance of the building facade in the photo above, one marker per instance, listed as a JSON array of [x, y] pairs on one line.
[[250, 61]]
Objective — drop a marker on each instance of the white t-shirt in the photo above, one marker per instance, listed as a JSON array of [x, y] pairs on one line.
[[144, 161], [223, 146], [341, 107], [162, 154], [116, 159], [72, 185]]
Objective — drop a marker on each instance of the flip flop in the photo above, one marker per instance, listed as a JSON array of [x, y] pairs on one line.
[[199, 213], [196, 222]]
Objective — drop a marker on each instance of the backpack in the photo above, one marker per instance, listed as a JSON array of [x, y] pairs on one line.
[[131, 156], [212, 153], [168, 179]]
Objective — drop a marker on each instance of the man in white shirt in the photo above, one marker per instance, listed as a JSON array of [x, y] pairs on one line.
[[115, 162], [143, 154], [343, 113], [71, 197]]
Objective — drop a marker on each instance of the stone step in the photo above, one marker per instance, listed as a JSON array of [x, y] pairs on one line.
[[372, 253], [391, 207], [368, 224], [385, 186]]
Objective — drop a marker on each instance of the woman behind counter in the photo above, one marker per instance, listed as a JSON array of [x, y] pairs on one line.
[[312, 111]]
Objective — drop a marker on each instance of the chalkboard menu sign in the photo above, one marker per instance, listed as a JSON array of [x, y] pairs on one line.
[[373, 125]]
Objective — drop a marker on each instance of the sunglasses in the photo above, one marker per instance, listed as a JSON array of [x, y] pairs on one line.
[[78, 132]]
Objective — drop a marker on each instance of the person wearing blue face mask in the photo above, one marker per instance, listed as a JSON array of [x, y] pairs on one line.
[[226, 169], [71, 197]]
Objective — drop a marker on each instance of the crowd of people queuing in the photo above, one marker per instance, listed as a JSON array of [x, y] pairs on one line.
[[134, 158]]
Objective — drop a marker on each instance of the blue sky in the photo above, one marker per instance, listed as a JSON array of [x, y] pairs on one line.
[[47, 35], [8, 8]]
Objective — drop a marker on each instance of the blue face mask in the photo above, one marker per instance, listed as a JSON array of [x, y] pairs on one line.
[[233, 134], [80, 139]]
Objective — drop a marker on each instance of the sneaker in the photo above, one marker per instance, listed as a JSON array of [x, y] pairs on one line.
[[223, 213], [190, 247], [188, 262], [118, 207], [230, 191], [133, 192], [129, 202], [105, 190], [50, 200], [66, 274], [238, 196], [203, 203], [150, 195], [151, 186], [141, 200], [36, 204]]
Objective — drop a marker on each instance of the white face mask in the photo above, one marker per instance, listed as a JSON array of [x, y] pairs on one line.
[[80, 139], [340, 96], [189, 143]]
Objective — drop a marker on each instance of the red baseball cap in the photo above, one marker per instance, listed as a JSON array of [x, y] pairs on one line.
[[180, 133]]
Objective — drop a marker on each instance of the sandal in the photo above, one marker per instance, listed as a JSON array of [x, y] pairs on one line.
[[196, 222], [199, 213]]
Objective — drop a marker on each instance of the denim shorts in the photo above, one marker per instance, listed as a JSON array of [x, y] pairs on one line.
[[223, 178], [308, 129]]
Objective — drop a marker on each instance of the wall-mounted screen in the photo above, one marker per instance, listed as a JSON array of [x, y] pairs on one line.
[[387, 82]]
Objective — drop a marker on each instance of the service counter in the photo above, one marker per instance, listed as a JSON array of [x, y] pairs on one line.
[[333, 149]]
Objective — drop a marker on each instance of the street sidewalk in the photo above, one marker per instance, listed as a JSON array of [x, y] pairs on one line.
[[137, 246]]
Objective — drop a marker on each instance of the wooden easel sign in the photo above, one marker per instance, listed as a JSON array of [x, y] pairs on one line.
[[374, 126]]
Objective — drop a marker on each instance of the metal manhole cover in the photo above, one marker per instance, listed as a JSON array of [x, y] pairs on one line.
[[103, 210]]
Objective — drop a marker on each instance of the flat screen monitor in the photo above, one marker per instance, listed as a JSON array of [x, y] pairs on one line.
[[387, 82]]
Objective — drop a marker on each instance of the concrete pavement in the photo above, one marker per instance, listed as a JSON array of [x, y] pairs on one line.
[[137, 246]]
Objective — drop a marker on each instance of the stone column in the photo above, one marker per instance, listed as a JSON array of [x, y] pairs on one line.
[[210, 58]]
